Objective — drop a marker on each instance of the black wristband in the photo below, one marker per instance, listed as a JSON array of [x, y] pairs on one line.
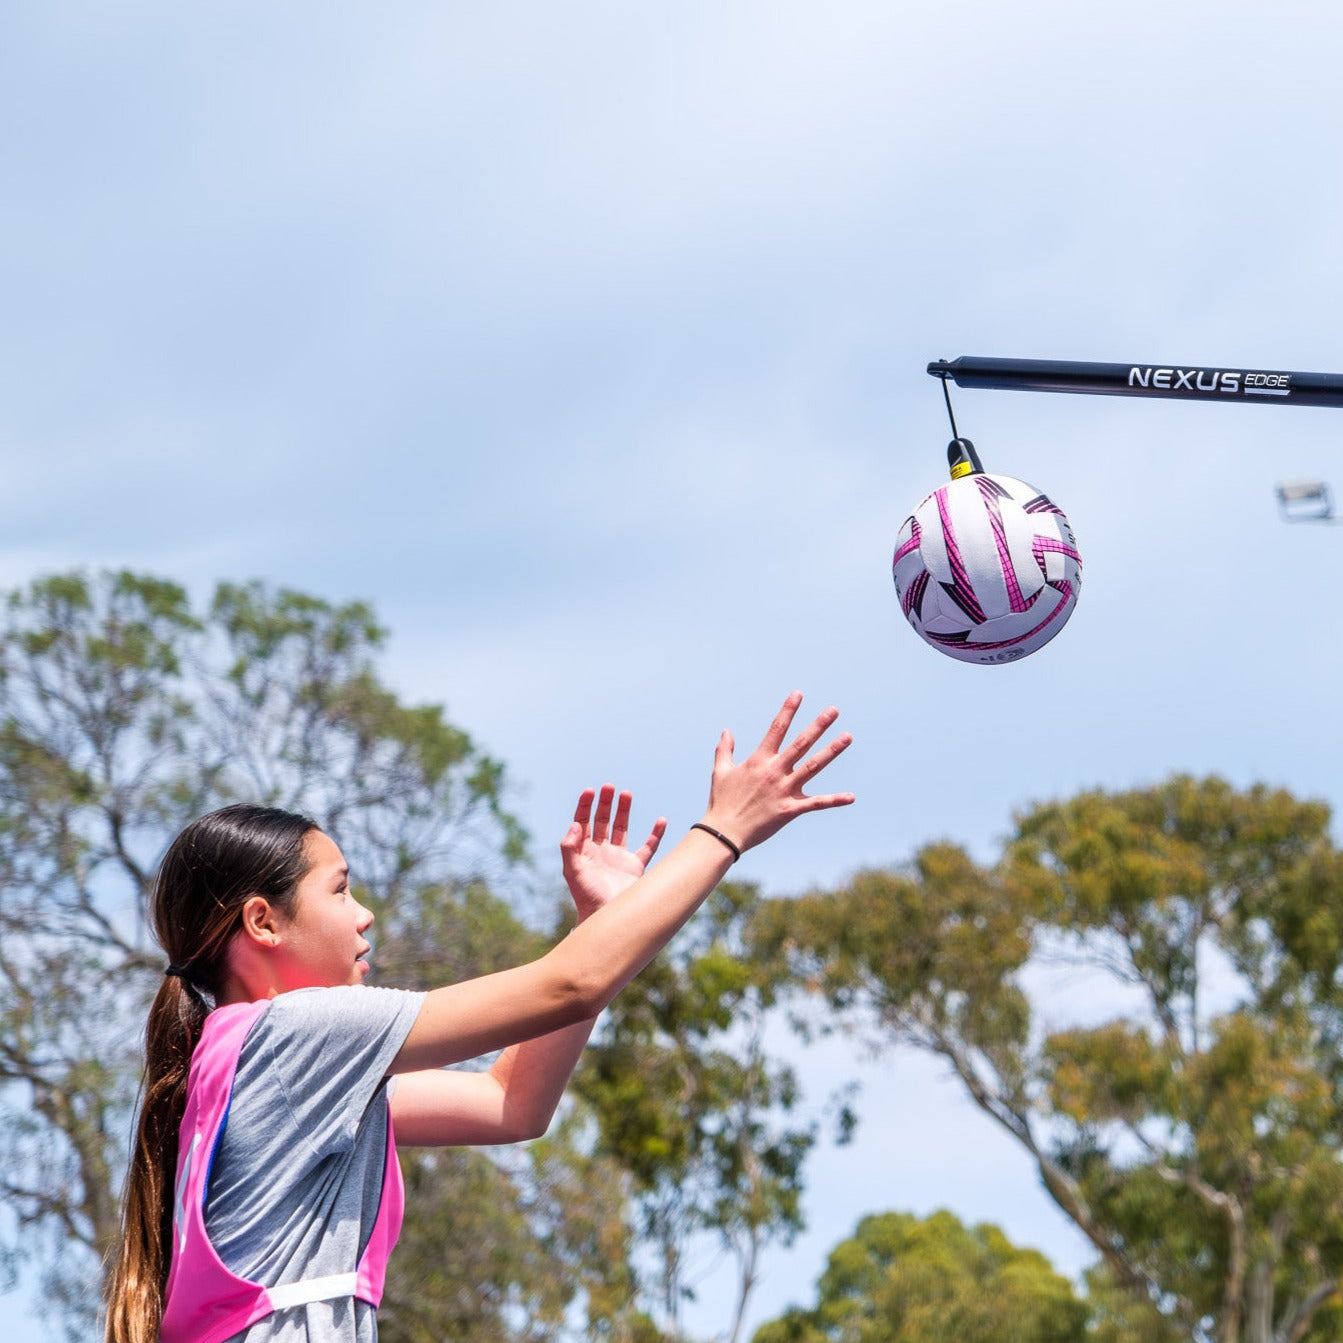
[[720, 836]]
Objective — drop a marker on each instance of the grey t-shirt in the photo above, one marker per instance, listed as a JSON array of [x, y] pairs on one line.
[[297, 1180]]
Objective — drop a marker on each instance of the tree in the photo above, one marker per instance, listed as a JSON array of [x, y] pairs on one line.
[[1193, 1134], [496, 1245], [685, 1099], [1118, 1315], [469, 1265], [902, 1279], [124, 711]]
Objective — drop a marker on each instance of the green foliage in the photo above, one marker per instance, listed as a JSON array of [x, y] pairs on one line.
[[683, 1097], [124, 711], [469, 1265], [1116, 1315], [441, 932], [901, 1279], [581, 1202], [1194, 1134]]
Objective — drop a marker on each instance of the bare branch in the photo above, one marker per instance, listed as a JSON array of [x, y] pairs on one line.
[[1295, 1327]]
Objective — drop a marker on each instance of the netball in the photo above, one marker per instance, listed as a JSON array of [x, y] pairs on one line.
[[987, 569]]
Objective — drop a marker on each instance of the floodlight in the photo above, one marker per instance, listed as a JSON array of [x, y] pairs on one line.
[[1305, 501]]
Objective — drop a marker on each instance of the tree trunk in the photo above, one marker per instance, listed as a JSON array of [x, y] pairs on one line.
[[1259, 1303]]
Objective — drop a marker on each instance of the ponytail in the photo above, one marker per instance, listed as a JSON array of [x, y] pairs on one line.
[[140, 1275], [209, 871]]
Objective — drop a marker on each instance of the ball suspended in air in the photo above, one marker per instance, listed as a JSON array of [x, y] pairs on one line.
[[987, 569]]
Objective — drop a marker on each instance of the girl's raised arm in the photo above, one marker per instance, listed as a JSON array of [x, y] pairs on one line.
[[748, 802]]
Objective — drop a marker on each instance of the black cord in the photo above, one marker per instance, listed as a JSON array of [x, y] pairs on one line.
[[946, 392]]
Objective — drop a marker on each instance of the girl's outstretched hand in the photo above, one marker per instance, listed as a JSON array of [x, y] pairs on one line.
[[597, 864], [753, 800]]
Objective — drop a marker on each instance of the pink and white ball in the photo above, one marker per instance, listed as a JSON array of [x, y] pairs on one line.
[[987, 569]]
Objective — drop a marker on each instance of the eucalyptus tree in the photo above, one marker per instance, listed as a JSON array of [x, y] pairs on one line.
[[1191, 1128], [905, 1279], [125, 709], [681, 1091]]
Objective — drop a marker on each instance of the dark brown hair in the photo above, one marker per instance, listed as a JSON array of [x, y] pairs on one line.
[[195, 905]]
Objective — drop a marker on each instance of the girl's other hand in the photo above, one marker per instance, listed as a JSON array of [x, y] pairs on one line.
[[597, 864]]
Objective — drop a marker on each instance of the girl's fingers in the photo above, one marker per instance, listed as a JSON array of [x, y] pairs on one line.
[[805, 740], [602, 820], [722, 754], [650, 845], [783, 720], [827, 800], [816, 763], [603, 826], [572, 845], [621, 828], [583, 811]]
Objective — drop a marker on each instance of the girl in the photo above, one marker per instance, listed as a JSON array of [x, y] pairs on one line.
[[264, 1195]]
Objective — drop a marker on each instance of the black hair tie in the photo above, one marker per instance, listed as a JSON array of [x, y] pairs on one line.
[[718, 835], [179, 971]]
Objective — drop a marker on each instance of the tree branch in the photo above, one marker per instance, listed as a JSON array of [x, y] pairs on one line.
[[1062, 1188], [1233, 1290], [1293, 1329], [42, 1205]]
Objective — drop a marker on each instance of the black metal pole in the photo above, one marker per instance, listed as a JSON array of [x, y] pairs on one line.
[[1196, 382]]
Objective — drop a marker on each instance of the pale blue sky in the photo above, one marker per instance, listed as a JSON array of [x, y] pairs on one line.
[[588, 342]]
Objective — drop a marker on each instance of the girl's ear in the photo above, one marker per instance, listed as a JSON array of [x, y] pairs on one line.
[[260, 922]]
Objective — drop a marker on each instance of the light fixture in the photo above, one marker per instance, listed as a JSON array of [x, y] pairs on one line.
[[1305, 501]]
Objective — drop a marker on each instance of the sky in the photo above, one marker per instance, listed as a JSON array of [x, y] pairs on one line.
[[588, 343]]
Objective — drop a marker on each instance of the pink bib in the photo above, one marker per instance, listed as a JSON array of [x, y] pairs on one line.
[[205, 1303]]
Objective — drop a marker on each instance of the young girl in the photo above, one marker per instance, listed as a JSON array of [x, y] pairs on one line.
[[264, 1195]]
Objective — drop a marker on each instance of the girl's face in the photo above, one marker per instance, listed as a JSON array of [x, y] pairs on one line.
[[323, 940]]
